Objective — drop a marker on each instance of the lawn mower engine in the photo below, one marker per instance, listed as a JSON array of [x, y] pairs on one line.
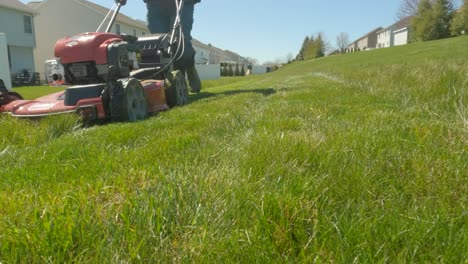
[[95, 57]]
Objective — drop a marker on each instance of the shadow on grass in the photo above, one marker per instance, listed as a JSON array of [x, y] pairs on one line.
[[204, 95]]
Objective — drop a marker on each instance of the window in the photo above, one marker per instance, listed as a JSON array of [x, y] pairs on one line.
[[27, 24], [134, 32], [143, 33], [117, 28]]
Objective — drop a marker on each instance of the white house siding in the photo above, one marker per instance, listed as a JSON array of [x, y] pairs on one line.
[[351, 48], [20, 43], [384, 39], [202, 56], [56, 19], [21, 58], [401, 37], [12, 24], [362, 44], [4, 67], [126, 29]]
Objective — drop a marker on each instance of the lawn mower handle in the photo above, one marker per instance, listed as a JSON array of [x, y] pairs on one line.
[[119, 3]]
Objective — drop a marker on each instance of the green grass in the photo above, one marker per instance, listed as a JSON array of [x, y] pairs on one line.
[[350, 158], [33, 92]]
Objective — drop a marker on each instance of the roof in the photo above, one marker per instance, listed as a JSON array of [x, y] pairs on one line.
[[34, 4], [200, 44], [100, 9], [16, 5], [225, 53], [370, 33], [405, 22]]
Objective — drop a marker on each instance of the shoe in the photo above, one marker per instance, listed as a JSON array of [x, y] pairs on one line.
[[193, 79]]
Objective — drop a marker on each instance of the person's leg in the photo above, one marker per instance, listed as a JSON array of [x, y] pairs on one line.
[[187, 62], [159, 17]]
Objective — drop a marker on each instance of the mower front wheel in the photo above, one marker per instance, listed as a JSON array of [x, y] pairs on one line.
[[176, 89], [128, 101]]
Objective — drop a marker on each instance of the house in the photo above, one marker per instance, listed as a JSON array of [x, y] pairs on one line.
[[56, 19], [209, 54], [351, 47], [5, 76], [16, 22], [401, 32], [368, 41], [385, 38], [394, 35], [235, 58], [202, 52]]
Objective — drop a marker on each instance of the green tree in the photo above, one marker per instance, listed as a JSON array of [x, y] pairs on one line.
[[236, 71], [242, 70], [308, 52], [423, 24], [315, 48], [460, 21], [432, 20], [230, 72], [319, 46], [301, 55], [443, 14]]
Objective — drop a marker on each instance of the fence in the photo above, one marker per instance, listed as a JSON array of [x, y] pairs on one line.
[[209, 71]]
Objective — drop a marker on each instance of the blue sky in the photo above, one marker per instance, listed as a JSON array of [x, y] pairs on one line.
[[271, 29]]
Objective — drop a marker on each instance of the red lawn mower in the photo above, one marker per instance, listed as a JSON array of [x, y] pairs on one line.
[[111, 77]]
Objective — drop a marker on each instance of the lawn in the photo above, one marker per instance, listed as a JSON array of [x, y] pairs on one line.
[[349, 158], [32, 92]]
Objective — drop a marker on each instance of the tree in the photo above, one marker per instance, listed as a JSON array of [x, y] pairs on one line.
[[236, 71], [242, 71], [302, 51], [320, 46], [230, 72], [460, 21], [407, 8], [342, 41], [315, 47], [432, 21], [252, 61], [423, 24], [443, 14], [223, 69]]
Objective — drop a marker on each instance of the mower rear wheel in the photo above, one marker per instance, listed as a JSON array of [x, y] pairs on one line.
[[176, 89], [6, 98], [129, 104], [15, 95]]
